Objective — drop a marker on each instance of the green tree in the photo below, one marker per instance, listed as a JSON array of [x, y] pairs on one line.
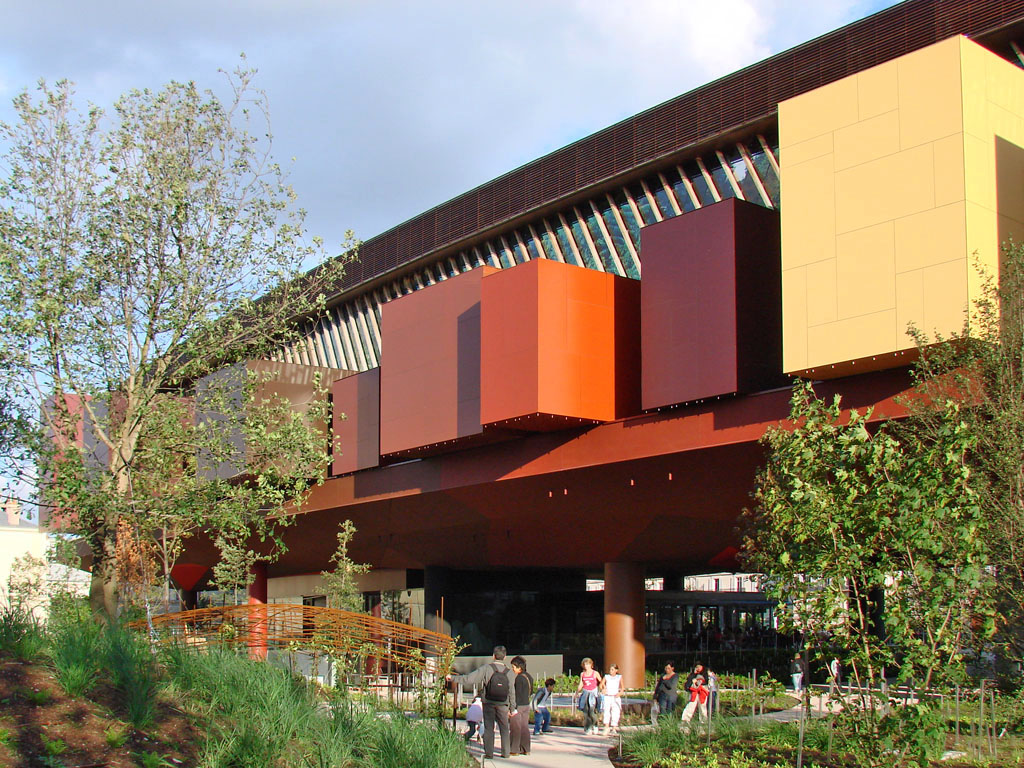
[[846, 513], [982, 370], [132, 246], [341, 583]]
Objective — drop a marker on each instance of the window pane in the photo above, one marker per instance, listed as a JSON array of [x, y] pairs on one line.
[[700, 185], [661, 195], [619, 241], [589, 260], [766, 172], [548, 243], [725, 189], [626, 211], [742, 174], [531, 244], [643, 204], [599, 242], [679, 188], [563, 241]]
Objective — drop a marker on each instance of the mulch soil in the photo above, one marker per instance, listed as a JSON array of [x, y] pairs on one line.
[[34, 711]]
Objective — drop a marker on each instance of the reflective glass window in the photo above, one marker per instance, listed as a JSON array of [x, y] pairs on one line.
[[563, 241], [642, 203], [548, 243], [589, 259], [673, 178], [766, 172], [721, 180], [743, 176], [619, 241], [502, 255], [661, 196], [626, 211], [517, 249], [700, 184], [531, 245], [599, 242]]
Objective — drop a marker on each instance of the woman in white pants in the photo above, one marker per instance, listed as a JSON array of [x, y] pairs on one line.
[[611, 685]]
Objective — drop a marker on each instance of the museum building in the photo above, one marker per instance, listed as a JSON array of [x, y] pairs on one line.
[[564, 373]]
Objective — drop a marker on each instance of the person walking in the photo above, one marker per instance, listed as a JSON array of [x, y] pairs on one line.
[[666, 692], [712, 691], [590, 679], [542, 708], [475, 720], [497, 681], [696, 687], [519, 720], [796, 671], [611, 685]]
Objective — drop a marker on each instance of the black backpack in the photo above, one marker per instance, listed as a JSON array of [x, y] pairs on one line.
[[496, 688]]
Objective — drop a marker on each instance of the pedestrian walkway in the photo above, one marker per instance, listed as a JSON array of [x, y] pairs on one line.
[[564, 747]]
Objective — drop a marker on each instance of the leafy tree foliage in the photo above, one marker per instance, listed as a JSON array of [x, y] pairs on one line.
[[846, 513], [982, 370], [132, 245], [341, 584]]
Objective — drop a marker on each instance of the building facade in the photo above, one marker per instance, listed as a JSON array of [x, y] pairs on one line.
[[563, 374]]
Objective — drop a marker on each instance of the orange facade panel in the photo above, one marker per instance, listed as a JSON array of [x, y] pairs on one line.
[[559, 346], [355, 419], [430, 367]]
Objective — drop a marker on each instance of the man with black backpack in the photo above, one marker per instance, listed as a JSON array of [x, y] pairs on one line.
[[496, 682]]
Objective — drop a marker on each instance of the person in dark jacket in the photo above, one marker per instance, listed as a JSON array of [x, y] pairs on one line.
[[666, 692], [495, 709], [542, 708], [519, 720]]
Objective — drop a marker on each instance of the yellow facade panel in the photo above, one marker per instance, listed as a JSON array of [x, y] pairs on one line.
[[885, 189], [865, 271], [867, 140], [794, 319], [851, 338], [948, 161], [930, 100], [980, 171], [878, 90], [796, 154], [808, 233], [821, 292], [817, 112], [892, 235], [945, 298], [909, 305], [931, 237]]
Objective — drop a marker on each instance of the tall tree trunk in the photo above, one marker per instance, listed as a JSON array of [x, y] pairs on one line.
[[103, 586]]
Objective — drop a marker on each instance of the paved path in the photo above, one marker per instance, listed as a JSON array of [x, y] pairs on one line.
[[564, 747]]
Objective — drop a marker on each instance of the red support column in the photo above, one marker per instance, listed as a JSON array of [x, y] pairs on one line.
[[624, 628], [258, 613]]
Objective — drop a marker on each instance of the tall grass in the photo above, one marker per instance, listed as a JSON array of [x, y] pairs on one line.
[[74, 650], [21, 634], [268, 717], [127, 658]]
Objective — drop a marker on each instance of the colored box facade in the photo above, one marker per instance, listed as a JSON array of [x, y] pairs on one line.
[[710, 304], [895, 181], [430, 366], [558, 346], [355, 420]]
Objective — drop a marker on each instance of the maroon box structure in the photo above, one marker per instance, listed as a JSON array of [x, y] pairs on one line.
[[430, 367], [711, 298], [355, 414]]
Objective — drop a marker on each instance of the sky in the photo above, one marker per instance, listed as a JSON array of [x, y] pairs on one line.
[[382, 109]]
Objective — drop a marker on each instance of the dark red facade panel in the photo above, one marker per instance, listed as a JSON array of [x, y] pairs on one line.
[[430, 367], [355, 406], [711, 304]]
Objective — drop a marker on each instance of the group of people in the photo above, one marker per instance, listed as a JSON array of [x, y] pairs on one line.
[[506, 697], [700, 689]]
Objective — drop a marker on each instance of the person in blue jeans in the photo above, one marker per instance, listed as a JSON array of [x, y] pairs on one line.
[[542, 708]]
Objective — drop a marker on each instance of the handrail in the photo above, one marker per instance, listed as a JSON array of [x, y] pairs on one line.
[[286, 626]]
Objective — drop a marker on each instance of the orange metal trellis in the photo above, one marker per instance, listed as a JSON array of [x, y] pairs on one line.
[[302, 627]]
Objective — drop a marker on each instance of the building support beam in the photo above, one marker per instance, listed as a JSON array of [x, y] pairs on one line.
[[624, 628], [258, 616]]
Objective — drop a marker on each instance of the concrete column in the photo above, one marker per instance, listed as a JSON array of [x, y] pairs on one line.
[[258, 612], [624, 629]]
